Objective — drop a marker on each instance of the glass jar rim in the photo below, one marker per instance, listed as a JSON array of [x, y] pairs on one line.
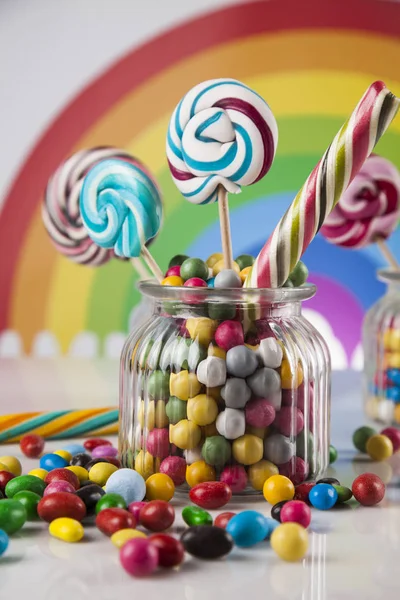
[[389, 275], [270, 295]]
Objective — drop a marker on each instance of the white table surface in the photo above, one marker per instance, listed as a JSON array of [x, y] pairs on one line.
[[353, 552]]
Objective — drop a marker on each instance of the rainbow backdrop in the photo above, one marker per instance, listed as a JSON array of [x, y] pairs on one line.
[[311, 61]]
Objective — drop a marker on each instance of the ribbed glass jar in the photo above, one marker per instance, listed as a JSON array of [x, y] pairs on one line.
[[231, 385], [381, 341]]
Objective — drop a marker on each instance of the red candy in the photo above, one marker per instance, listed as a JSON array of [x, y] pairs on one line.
[[139, 557], [158, 442], [157, 515], [195, 282], [92, 443], [170, 550], [212, 494], [135, 507], [61, 504], [235, 477], [223, 519], [368, 489], [63, 475], [174, 467], [111, 520], [32, 445], [301, 491], [259, 412], [59, 486], [296, 470], [289, 421], [394, 436], [296, 511], [229, 334], [5, 477], [173, 271]]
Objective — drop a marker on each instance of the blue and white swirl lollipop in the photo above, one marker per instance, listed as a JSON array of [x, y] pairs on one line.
[[221, 135], [121, 208]]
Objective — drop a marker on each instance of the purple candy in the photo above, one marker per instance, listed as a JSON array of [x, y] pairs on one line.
[[134, 509], [59, 486], [104, 452], [139, 557]]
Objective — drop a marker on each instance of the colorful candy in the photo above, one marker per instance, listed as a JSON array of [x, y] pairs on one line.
[[111, 520], [67, 530], [62, 475], [323, 496], [290, 541], [193, 515], [30, 501], [110, 500], [159, 487], [12, 516], [379, 447], [223, 519], [207, 541], [213, 494], [157, 515], [278, 488], [170, 550], [120, 537], [100, 472], [61, 504], [4, 541], [90, 495], [361, 437], [12, 464], [296, 511], [368, 489], [25, 483], [248, 528]]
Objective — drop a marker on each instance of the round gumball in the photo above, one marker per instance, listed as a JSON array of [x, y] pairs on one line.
[[361, 436], [194, 267], [289, 421], [235, 477], [296, 470], [157, 515], [12, 516], [290, 541], [229, 334], [170, 550], [379, 447], [394, 435], [177, 260], [195, 282], [278, 488], [174, 467], [110, 501], [127, 483], [245, 260], [174, 271], [277, 509], [199, 472], [139, 557], [227, 278], [216, 451], [248, 528], [333, 454], [323, 496], [241, 361], [368, 489], [223, 519], [296, 511], [302, 491], [12, 464], [259, 412], [135, 508], [32, 445], [159, 487]]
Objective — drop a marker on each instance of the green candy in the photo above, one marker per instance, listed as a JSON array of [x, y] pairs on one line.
[[344, 493], [194, 267], [176, 410], [170, 307], [301, 445], [25, 483], [299, 274], [177, 260], [216, 450], [110, 501], [361, 437], [192, 515], [30, 501], [333, 454], [221, 311], [245, 260], [12, 516], [158, 385]]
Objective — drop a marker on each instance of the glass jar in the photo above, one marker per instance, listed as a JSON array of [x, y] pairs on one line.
[[381, 342], [225, 384]]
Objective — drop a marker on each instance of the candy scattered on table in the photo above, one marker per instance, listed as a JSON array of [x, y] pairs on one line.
[[66, 529], [368, 489], [290, 541], [207, 541]]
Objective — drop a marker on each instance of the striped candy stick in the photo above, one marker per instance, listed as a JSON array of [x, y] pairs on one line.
[[324, 187], [58, 425]]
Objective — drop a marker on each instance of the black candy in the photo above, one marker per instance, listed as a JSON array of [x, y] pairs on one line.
[[1, 495], [81, 459], [276, 510], [95, 461], [330, 480], [90, 494], [207, 541]]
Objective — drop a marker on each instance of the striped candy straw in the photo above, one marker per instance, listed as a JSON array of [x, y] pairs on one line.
[[324, 187], [60, 424]]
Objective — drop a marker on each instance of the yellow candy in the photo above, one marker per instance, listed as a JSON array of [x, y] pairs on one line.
[[290, 541], [215, 393], [184, 385], [144, 464], [260, 472], [278, 488], [201, 329], [220, 265], [66, 529], [173, 280], [391, 340], [214, 258], [379, 447], [160, 487], [119, 538], [41, 473], [161, 419], [199, 472], [248, 449], [214, 350], [392, 360], [81, 473], [100, 473], [185, 434], [12, 465], [202, 409], [260, 432], [210, 430], [397, 413], [64, 454], [150, 415], [290, 380], [244, 272]]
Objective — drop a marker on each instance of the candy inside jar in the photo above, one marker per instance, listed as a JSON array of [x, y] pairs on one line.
[[381, 341], [225, 384]]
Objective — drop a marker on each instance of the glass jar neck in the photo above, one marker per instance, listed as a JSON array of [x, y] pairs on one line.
[[252, 310]]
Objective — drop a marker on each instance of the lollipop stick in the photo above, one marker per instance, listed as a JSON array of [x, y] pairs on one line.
[[384, 248], [225, 227], [140, 268], [151, 263]]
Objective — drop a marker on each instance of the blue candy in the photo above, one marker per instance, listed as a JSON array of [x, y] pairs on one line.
[[4, 540], [127, 483], [74, 449], [210, 282], [393, 393], [273, 525], [394, 376], [323, 496], [249, 528], [53, 461]]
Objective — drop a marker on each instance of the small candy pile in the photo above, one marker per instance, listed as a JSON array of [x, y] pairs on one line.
[[379, 446], [383, 402]]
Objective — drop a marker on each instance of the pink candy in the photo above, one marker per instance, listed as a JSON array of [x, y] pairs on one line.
[[229, 334], [59, 486], [195, 282], [296, 470], [235, 477], [105, 452], [139, 557], [173, 271], [289, 421], [135, 507], [259, 413], [394, 436], [158, 443], [175, 467], [296, 511]]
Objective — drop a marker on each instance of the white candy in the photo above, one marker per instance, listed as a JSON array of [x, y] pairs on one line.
[[193, 455], [212, 371], [278, 449], [385, 411], [266, 383], [236, 393], [270, 353], [231, 423]]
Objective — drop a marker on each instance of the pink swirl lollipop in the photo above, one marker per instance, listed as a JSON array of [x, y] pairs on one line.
[[369, 209]]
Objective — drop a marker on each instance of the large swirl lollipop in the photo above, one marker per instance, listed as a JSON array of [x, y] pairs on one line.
[[322, 190], [121, 208], [222, 135], [369, 209]]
